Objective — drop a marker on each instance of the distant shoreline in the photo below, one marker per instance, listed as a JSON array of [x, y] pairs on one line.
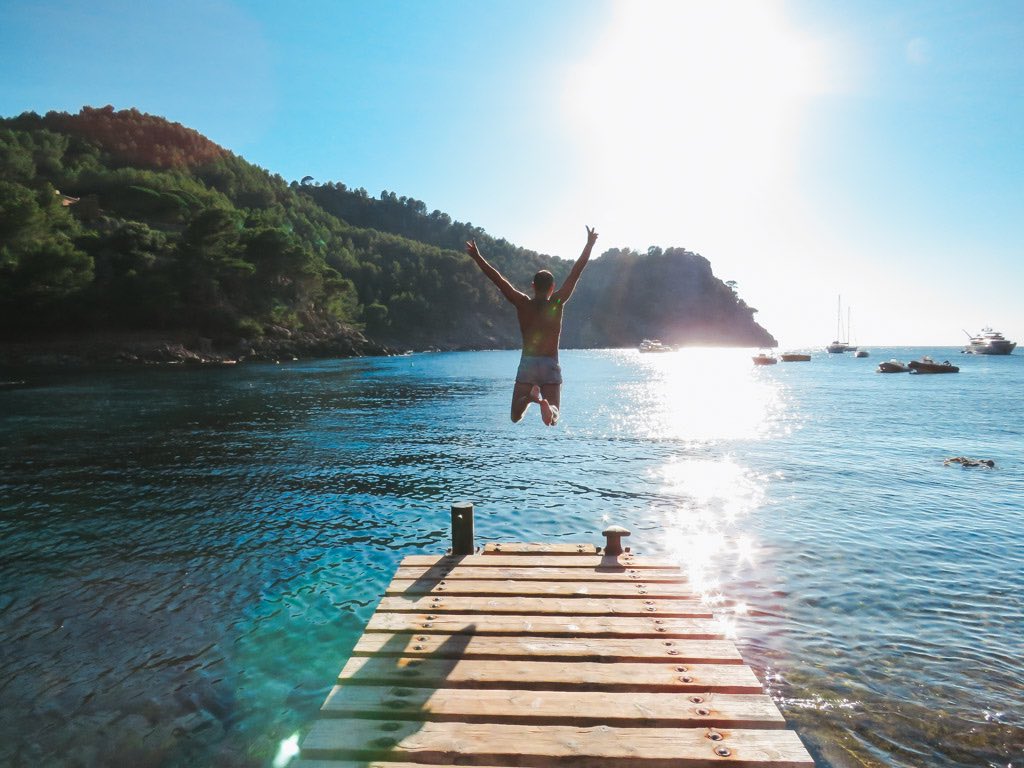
[[183, 347], [187, 347]]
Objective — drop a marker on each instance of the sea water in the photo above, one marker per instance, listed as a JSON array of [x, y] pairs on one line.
[[188, 555]]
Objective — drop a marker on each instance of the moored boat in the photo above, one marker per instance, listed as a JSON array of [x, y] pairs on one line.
[[654, 345], [861, 353], [838, 346], [927, 365], [892, 366], [989, 342], [795, 357], [764, 359]]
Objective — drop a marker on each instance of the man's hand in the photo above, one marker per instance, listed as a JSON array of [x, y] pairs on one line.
[[494, 275], [569, 285]]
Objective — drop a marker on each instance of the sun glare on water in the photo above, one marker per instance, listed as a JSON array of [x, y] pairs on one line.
[[708, 399], [704, 394], [713, 497]]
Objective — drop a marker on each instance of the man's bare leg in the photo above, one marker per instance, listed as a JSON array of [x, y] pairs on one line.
[[524, 394], [521, 399]]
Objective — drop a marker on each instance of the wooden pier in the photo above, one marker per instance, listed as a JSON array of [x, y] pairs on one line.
[[539, 655]]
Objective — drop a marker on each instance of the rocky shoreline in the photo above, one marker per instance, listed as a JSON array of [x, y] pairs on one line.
[[175, 348]]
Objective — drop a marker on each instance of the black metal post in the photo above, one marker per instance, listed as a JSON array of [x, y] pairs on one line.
[[462, 528]]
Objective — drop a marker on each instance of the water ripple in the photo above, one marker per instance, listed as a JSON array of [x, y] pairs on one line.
[[188, 556]]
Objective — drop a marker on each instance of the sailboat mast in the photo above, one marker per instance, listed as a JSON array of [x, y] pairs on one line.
[[839, 318]]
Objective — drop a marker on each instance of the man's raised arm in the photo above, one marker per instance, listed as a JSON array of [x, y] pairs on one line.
[[506, 288], [569, 285]]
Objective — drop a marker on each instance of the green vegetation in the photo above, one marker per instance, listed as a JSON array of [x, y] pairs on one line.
[[124, 221]]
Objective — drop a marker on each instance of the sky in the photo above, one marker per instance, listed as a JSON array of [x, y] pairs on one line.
[[807, 149]]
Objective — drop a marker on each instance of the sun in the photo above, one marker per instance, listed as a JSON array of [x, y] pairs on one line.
[[700, 95]]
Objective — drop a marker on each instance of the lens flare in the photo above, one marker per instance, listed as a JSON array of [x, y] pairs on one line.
[[286, 751]]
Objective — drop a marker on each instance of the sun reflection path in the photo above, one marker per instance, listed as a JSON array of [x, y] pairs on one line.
[[701, 395], [713, 498], [696, 409]]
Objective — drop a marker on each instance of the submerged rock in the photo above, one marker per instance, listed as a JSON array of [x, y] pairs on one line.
[[966, 461]]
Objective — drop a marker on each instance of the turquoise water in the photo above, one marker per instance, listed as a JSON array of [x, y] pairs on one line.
[[187, 556]]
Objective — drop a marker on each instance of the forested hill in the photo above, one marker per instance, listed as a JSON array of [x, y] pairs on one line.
[[116, 221]]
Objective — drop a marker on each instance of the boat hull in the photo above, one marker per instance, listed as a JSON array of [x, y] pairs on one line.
[[921, 367], [892, 368], [996, 348], [795, 358]]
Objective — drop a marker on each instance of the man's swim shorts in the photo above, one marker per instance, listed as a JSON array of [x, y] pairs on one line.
[[539, 370]]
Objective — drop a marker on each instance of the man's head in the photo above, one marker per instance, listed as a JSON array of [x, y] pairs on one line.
[[543, 284]]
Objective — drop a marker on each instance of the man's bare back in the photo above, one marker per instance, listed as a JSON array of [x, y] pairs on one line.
[[539, 378], [540, 322]]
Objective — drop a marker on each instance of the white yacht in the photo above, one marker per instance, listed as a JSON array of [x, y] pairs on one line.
[[989, 342]]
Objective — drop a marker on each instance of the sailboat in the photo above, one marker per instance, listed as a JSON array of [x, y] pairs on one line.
[[837, 345]]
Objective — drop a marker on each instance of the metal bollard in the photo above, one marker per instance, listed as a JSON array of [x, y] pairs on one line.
[[462, 528], [613, 539]]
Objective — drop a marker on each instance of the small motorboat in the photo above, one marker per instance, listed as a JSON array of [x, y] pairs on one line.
[[764, 359], [794, 357], [892, 366], [654, 345], [861, 353], [927, 365]]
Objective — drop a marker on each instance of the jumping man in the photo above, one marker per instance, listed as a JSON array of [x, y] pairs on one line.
[[539, 378]]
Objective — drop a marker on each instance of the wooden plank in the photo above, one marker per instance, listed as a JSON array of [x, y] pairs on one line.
[[548, 675], [541, 574], [547, 648], [451, 743], [534, 561], [537, 588], [538, 656], [545, 626], [581, 708], [539, 548], [579, 606]]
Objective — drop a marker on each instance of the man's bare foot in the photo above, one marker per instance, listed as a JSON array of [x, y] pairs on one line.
[[554, 414], [549, 413]]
